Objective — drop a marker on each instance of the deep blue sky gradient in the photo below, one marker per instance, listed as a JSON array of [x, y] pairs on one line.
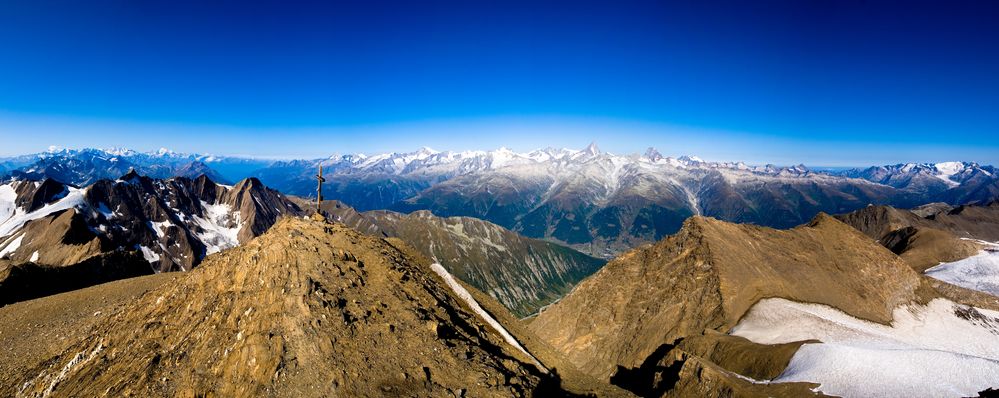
[[820, 82]]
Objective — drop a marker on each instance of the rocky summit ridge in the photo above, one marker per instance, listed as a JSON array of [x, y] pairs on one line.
[[307, 309]]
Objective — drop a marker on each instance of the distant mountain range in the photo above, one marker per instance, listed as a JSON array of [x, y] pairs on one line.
[[602, 204], [85, 166], [595, 202], [717, 309]]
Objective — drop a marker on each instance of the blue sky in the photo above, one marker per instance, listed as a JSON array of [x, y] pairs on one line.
[[817, 82]]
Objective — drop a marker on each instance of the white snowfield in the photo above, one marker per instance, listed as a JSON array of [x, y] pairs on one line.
[[12, 218], [979, 272], [474, 305], [946, 170], [942, 349]]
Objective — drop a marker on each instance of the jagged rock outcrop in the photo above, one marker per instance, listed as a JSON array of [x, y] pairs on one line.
[[703, 279], [173, 224], [307, 309]]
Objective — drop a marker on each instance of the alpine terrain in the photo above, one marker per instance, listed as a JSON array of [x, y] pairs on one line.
[[721, 309], [307, 309], [83, 167], [521, 273]]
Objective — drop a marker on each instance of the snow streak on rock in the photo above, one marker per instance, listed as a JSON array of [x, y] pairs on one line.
[[220, 228], [474, 305]]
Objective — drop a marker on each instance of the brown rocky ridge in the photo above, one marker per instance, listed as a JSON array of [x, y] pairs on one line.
[[928, 235], [306, 309], [655, 319]]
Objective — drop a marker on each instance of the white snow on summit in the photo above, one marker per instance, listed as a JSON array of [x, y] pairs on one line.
[[946, 170]]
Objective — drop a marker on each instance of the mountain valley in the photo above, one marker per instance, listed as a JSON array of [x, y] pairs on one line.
[[522, 273]]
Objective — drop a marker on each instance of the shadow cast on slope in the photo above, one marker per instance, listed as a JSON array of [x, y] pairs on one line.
[[651, 378], [28, 281]]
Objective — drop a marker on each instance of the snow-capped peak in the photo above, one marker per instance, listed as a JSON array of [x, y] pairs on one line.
[[119, 151], [427, 151], [592, 149], [946, 170], [691, 159], [949, 168]]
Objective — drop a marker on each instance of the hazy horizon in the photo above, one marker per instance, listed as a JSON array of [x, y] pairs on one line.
[[153, 151]]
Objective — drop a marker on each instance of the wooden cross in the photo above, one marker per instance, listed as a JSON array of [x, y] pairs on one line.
[[319, 190]]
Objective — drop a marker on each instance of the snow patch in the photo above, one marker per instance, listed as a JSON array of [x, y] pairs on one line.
[[8, 198], [150, 256], [942, 349], [979, 272], [160, 228], [34, 256], [946, 170], [219, 228]]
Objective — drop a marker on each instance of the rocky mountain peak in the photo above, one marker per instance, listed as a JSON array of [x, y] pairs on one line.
[[32, 195], [653, 155], [251, 183], [711, 272], [174, 223], [131, 177], [308, 309], [691, 159]]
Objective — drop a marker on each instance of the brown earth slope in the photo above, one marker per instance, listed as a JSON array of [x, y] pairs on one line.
[[36, 330], [307, 309], [646, 310]]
